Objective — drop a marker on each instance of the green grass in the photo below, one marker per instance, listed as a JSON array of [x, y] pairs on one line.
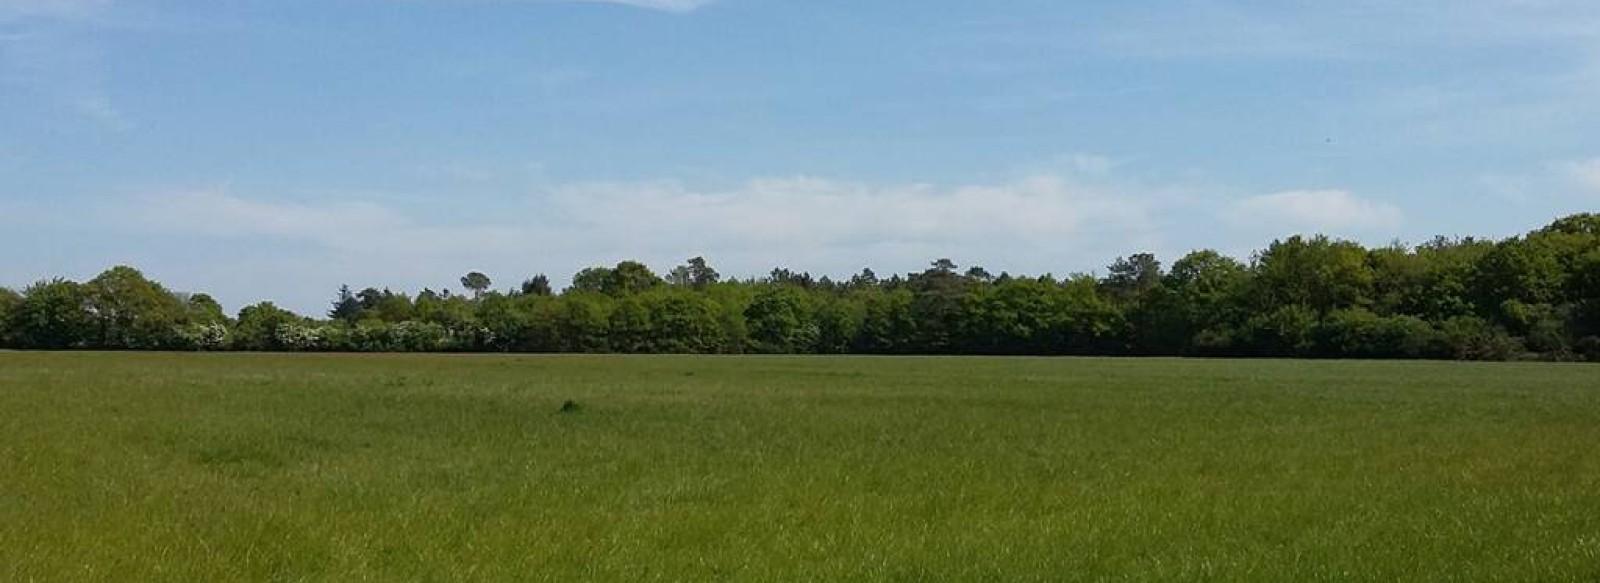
[[142, 467]]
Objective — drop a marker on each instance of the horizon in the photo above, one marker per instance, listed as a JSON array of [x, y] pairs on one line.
[[275, 151]]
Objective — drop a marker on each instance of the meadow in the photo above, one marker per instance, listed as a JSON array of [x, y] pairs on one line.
[[268, 467]]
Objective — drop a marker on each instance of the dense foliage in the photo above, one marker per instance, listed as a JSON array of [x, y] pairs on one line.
[[1534, 296]]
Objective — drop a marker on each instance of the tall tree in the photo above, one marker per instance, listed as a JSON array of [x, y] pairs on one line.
[[780, 320], [631, 277], [1318, 273], [538, 285], [592, 279], [477, 282], [259, 327], [53, 315], [345, 307], [1129, 278], [9, 301], [701, 274], [130, 311]]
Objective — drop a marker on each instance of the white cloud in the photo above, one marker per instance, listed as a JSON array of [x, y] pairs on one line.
[[220, 214], [296, 251], [1327, 211], [826, 224], [1585, 173]]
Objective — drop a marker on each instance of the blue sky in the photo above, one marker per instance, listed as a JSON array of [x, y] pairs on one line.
[[276, 149]]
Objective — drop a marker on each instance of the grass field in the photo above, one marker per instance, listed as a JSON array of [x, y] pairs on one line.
[[142, 467]]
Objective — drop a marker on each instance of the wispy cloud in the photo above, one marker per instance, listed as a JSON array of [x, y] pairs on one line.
[[1333, 212], [1035, 224], [1352, 29], [248, 247], [47, 49], [1585, 173], [12, 10], [663, 5]]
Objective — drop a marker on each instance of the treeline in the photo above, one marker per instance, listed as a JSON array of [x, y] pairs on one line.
[[1531, 297]]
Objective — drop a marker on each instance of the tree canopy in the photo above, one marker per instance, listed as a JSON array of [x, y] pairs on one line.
[[1535, 296]]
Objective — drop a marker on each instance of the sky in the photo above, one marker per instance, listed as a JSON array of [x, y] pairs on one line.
[[276, 149]]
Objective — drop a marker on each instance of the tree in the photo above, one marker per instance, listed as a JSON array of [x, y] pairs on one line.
[[1205, 291], [1017, 316], [887, 323], [132, 312], [477, 282], [630, 277], [1317, 273], [584, 322], [345, 307], [204, 309], [838, 319], [626, 278], [1094, 324], [780, 321], [1532, 296], [1519, 269], [259, 327], [392, 307], [937, 306], [9, 301], [505, 323], [538, 285], [53, 315], [784, 276], [1129, 278], [683, 323], [701, 274], [593, 279], [631, 326], [864, 279]]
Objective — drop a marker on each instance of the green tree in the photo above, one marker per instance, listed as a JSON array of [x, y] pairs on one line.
[[9, 302], [345, 307], [1016, 316], [1093, 323], [53, 315], [888, 325], [259, 327], [1519, 269], [203, 309], [683, 323], [631, 326], [503, 320], [701, 275], [838, 322], [584, 322], [937, 305], [1130, 278], [392, 307], [1319, 273], [593, 279], [132, 312], [780, 321], [538, 285], [1205, 291], [477, 282]]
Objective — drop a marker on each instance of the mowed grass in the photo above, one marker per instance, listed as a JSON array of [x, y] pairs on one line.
[[195, 467]]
